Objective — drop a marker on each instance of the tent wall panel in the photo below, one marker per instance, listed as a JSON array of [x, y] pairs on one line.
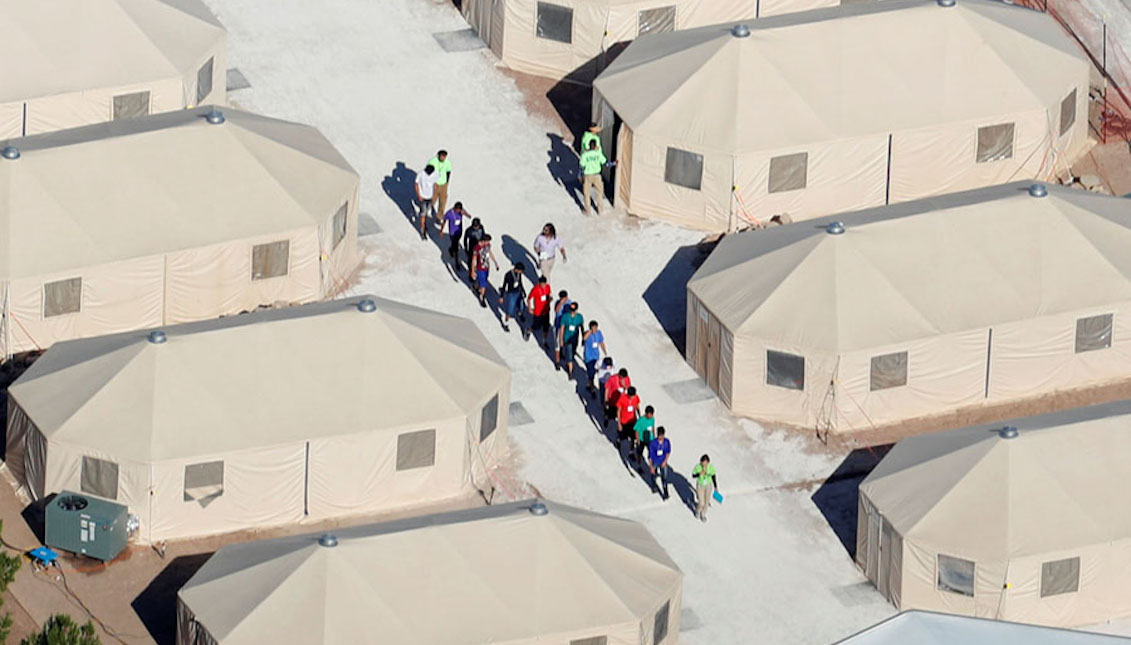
[[752, 396], [623, 193], [25, 452], [708, 207], [189, 631], [11, 120], [115, 297], [51, 113], [339, 262], [64, 472], [484, 453], [219, 93], [777, 7]]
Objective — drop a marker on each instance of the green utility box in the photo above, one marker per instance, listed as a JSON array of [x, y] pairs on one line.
[[86, 525]]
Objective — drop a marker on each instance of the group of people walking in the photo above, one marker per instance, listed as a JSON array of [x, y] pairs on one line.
[[559, 325]]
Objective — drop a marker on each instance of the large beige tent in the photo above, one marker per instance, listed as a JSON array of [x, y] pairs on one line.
[[168, 218], [838, 109], [66, 63], [1023, 521], [918, 308], [578, 38], [929, 628], [271, 417], [515, 574]]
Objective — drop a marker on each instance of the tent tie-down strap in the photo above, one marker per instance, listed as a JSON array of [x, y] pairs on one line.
[[13, 318], [743, 211]]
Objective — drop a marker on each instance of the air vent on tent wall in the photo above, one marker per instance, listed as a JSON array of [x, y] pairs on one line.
[[328, 540], [367, 306], [740, 31], [10, 152], [1008, 432], [214, 116], [538, 508], [835, 228], [946, 3], [157, 337], [1038, 190]]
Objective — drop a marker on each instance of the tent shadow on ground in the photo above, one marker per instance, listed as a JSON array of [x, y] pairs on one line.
[[156, 605], [9, 372], [562, 165], [516, 253], [666, 296], [837, 497], [398, 185], [35, 515]]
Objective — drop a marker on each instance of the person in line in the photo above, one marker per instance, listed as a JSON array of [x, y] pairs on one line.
[[471, 238], [659, 451], [642, 436], [454, 220], [443, 175], [628, 411], [425, 186], [539, 302], [592, 163], [513, 296], [561, 308], [568, 334], [616, 386], [706, 483], [481, 260], [593, 345], [592, 134], [546, 247]]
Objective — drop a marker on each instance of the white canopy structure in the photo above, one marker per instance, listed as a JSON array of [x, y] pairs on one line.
[[520, 573], [165, 219], [842, 108], [1025, 520], [272, 417], [916, 309], [66, 63], [929, 628], [578, 38]]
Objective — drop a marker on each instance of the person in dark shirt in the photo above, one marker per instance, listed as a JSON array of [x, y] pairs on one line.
[[513, 295]]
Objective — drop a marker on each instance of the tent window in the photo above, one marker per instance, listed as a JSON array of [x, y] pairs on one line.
[[592, 640], [656, 21], [956, 575], [785, 370], [416, 449], [1093, 332], [204, 482], [661, 630], [99, 477], [684, 168], [489, 418], [339, 225], [1068, 112], [555, 22], [995, 142], [1060, 576], [62, 297], [204, 81], [128, 106], [889, 370], [789, 172], [270, 260]]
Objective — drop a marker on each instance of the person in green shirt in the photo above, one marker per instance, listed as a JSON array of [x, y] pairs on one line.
[[643, 430], [443, 169], [706, 483], [592, 134], [569, 333], [592, 161]]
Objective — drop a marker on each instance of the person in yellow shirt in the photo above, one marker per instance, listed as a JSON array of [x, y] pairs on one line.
[[592, 162]]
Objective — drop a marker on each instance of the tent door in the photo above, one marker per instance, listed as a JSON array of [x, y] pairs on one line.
[[494, 38], [714, 343], [702, 343], [624, 166], [871, 570], [884, 572]]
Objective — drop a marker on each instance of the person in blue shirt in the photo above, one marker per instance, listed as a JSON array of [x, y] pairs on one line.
[[659, 452], [594, 346]]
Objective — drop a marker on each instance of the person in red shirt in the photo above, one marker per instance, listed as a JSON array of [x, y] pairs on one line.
[[628, 411], [539, 299], [615, 386]]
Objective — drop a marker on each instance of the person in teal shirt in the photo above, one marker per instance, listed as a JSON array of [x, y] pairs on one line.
[[592, 162], [643, 430], [443, 169], [569, 333], [706, 483]]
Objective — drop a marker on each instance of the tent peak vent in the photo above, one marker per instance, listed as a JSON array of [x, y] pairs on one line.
[[10, 152], [740, 31], [538, 508], [1038, 190], [215, 117], [835, 228], [157, 337], [328, 540], [1008, 432], [946, 3], [367, 306]]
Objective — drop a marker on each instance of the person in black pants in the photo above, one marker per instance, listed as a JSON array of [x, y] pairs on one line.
[[454, 220], [471, 238]]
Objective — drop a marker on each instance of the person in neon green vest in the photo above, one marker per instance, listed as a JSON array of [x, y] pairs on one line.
[[592, 162]]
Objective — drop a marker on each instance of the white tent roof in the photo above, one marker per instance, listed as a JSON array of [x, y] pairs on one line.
[[842, 72], [930, 628], [142, 187], [918, 269], [494, 574], [1054, 487], [60, 46], [261, 379]]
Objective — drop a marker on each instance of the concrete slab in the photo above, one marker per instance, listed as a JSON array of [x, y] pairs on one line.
[[459, 40], [236, 80], [518, 415]]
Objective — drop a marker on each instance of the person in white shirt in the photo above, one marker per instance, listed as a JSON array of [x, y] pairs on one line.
[[425, 189], [546, 247]]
